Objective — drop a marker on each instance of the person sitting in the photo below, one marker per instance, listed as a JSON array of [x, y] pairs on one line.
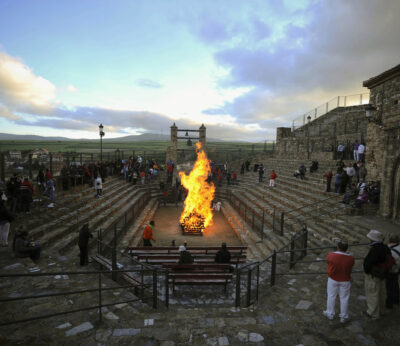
[[362, 199], [22, 247], [314, 166], [185, 256], [223, 255], [302, 171]]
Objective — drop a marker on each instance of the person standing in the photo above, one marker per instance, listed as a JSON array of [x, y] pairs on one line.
[[374, 283], [234, 178], [148, 234], [340, 265], [392, 280], [361, 152], [272, 178], [350, 173], [83, 243], [328, 177], [5, 219], [98, 186], [26, 191], [355, 150], [260, 173], [49, 191], [340, 151]]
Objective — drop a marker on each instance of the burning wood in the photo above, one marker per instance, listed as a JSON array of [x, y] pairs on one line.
[[197, 213]]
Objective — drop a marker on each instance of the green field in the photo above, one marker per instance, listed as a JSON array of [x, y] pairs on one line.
[[94, 146]]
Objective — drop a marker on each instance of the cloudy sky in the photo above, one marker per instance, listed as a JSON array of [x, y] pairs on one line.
[[242, 68]]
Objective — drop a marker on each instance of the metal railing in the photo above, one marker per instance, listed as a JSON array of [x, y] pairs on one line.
[[254, 219], [338, 101], [99, 290], [256, 277], [251, 277], [300, 216]]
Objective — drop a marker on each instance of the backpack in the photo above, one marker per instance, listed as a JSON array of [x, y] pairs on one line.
[[381, 270]]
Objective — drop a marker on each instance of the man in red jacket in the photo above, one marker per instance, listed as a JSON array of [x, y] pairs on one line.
[[340, 264], [148, 234], [272, 178]]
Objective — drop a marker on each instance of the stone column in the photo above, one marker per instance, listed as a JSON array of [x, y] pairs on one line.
[[202, 135], [172, 151]]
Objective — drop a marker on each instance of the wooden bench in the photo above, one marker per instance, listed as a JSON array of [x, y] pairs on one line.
[[199, 274], [159, 259], [134, 251]]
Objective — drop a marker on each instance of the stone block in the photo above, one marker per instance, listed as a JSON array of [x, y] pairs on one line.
[[126, 332], [79, 329], [303, 305]]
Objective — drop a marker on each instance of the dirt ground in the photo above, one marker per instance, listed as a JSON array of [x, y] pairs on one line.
[[167, 228]]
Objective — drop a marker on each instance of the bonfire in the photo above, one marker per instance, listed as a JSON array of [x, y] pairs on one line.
[[197, 213]]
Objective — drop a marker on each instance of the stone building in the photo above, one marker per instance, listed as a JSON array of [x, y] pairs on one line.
[[383, 138]]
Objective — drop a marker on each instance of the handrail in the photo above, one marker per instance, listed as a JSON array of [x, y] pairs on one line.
[[311, 204], [329, 106]]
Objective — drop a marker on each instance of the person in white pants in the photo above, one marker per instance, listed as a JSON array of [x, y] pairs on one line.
[[5, 219], [340, 265]]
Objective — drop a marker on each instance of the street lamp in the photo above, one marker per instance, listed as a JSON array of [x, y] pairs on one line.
[[101, 133], [308, 136]]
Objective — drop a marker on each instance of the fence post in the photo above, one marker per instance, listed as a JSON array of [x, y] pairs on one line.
[[258, 280], [249, 287], [166, 287], [291, 260], [114, 254], [2, 167], [262, 225], [338, 101], [273, 268], [100, 300], [345, 100], [282, 221], [273, 220], [51, 163], [237, 298], [361, 99], [98, 242], [155, 289], [30, 166], [305, 241]]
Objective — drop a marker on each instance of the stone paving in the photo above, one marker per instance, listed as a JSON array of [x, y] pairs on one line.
[[290, 313]]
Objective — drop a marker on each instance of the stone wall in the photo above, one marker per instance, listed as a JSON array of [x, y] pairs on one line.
[[319, 139], [383, 139]]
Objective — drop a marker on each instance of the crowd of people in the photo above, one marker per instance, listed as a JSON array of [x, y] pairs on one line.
[[381, 271], [355, 151]]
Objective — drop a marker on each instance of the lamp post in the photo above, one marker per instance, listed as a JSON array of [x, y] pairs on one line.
[[308, 136], [101, 133]]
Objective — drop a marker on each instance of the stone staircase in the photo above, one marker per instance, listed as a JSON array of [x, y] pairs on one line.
[[325, 217]]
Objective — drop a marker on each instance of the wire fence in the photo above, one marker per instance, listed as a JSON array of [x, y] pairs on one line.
[[338, 101]]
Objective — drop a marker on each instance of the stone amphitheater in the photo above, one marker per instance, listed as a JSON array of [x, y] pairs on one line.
[[276, 298], [287, 313]]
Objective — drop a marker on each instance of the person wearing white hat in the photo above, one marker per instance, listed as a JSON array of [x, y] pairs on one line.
[[185, 256], [374, 282]]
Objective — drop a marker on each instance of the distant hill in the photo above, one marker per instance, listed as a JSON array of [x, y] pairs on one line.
[[132, 138], [11, 137]]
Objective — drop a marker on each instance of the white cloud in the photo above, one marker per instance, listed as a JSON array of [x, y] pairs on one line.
[[20, 88], [72, 89]]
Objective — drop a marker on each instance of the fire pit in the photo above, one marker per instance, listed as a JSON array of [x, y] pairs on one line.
[[193, 224]]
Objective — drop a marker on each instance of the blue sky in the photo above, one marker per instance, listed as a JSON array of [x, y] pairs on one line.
[[240, 67]]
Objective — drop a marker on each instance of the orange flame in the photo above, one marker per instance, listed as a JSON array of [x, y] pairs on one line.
[[200, 193]]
